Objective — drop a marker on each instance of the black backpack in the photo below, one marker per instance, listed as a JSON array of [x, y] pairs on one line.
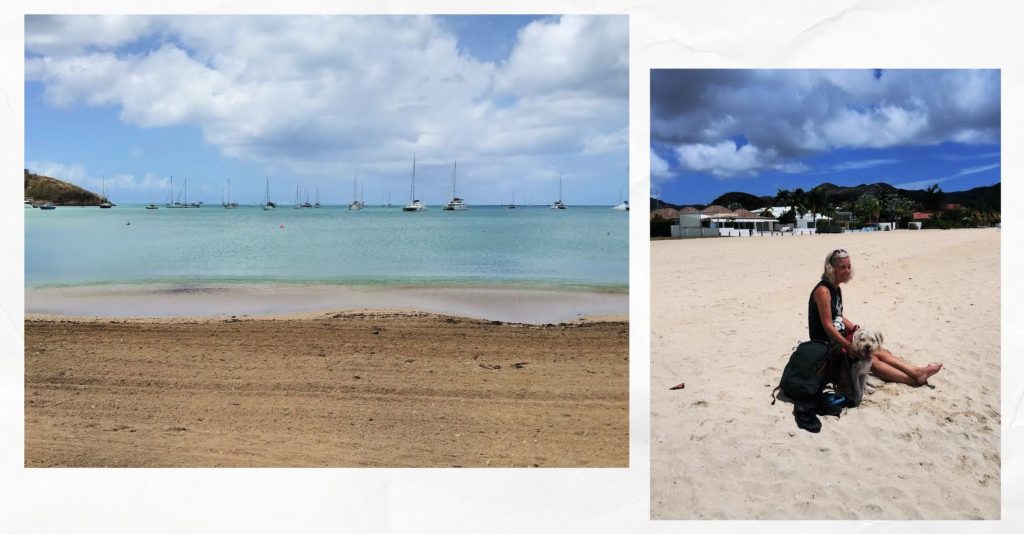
[[806, 373]]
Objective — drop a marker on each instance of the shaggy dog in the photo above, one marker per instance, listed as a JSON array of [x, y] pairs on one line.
[[854, 373]]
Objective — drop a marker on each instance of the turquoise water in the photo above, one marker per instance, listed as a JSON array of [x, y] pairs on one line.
[[581, 247]]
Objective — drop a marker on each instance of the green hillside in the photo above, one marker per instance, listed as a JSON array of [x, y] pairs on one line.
[[42, 189]]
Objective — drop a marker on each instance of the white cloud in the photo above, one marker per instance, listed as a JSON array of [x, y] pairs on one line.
[[47, 34], [574, 53], [923, 184], [659, 168], [976, 170], [74, 173], [863, 164], [116, 184], [724, 159], [798, 113], [327, 95], [604, 143], [727, 160], [877, 128]]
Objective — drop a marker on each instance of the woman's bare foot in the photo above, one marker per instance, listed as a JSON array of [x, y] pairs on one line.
[[927, 371]]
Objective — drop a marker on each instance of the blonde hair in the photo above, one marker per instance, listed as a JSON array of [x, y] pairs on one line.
[[829, 275]]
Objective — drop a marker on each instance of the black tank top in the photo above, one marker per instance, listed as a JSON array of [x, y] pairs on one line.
[[814, 326]]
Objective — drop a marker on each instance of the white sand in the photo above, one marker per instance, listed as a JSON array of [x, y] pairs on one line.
[[726, 314], [510, 305]]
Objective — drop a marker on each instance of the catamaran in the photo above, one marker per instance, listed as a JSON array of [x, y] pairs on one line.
[[559, 205], [357, 203], [414, 203], [455, 203], [623, 205]]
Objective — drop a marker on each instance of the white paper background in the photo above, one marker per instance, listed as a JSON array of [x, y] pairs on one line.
[[663, 34]]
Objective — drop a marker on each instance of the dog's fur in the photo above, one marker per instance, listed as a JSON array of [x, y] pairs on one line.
[[853, 373]]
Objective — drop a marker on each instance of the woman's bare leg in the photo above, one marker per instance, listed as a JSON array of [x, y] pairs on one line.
[[891, 368]]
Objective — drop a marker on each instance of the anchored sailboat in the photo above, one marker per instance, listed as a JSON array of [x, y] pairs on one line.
[[559, 205], [229, 205], [267, 204], [106, 203], [623, 205], [455, 203], [414, 203], [357, 203]]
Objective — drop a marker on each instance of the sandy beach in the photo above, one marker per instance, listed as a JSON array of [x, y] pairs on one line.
[[338, 389], [727, 313]]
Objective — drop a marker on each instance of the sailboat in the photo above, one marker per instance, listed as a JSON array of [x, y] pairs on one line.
[[317, 205], [357, 203], [267, 204], [106, 203], [623, 205], [559, 205], [455, 203], [229, 205], [414, 203], [178, 203], [512, 206]]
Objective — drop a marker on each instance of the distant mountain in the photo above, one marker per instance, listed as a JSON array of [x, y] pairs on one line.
[[46, 189], [984, 198], [744, 200]]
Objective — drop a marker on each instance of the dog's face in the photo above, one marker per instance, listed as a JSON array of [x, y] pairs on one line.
[[865, 342]]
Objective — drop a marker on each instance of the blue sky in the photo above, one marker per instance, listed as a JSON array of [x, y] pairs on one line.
[[317, 101], [756, 131]]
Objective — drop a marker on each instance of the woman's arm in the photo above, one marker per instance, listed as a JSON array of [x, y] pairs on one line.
[[821, 299]]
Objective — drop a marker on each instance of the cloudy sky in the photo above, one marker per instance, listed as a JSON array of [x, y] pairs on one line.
[[316, 101], [715, 131]]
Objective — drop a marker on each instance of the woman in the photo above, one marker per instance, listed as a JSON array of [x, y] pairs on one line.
[[826, 323]]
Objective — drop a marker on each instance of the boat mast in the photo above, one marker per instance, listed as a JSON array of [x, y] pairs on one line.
[[412, 187], [454, 170]]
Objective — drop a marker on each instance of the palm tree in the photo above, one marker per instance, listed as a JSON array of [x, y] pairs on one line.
[[817, 202], [933, 197], [799, 202]]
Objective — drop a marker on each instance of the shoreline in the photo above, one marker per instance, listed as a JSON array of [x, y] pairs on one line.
[[220, 300]]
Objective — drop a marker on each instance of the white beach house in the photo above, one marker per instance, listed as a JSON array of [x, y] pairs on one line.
[[807, 220], [713, 220]]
